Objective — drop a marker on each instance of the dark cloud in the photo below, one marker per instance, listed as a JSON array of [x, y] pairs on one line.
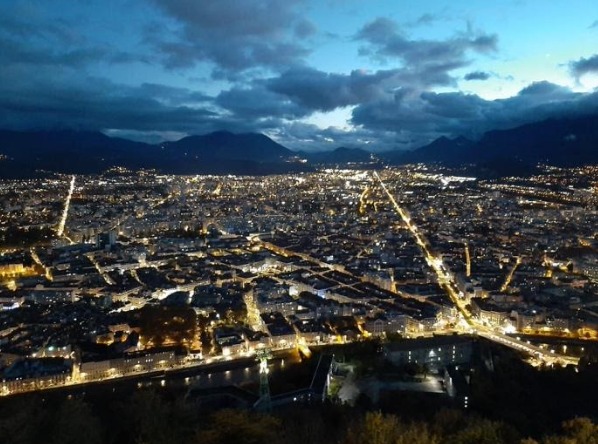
[[386, 115], [27, 38], [545, 91], [259, 102], [406, 118], [483, 43], [304, 29], [594, 25], [425, 63], [314, 90], [53, 98], [426, 19], [385, 39], [234, 35], [300, 91], [424, 117], [23, 27], [453, 105], [320, 91], [45, 81], [172, 96], [76, 101], [477, 75], [17, 51], [52, 72], [584, 66], [379, 31]]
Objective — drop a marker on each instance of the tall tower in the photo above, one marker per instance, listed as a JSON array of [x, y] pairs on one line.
[[264, 402]]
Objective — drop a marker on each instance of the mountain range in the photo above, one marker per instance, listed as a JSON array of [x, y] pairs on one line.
[[25, 154], [560, 142]]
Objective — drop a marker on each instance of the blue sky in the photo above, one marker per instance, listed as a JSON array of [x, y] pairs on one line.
[[313, 74]]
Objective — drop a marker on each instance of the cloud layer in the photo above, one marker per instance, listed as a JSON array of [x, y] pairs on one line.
[[251, 69], [422, 118], [584, 66], [234, 35]]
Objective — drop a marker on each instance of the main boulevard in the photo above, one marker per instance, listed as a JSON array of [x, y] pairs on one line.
[[447, 281]]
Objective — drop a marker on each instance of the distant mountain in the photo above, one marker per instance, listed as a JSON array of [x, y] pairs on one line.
[[563, 142], [224, 145], [442, 150], [66, 151], [559, 142], [222, 152], [338, 156], [24, 154]]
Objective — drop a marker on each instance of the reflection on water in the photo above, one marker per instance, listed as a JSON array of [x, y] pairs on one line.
[[224, 374], [246, 374]]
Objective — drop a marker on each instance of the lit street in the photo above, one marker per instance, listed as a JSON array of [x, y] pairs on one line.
[[446, 281]]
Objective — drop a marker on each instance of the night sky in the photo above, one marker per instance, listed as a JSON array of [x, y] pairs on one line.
[[312, 74]]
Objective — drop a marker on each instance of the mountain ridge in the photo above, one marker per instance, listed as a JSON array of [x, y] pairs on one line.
[[25, 154], [561, 142], [566, 142]]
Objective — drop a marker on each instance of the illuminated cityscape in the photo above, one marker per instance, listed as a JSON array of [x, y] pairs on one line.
[[298, 221], [231, 265]]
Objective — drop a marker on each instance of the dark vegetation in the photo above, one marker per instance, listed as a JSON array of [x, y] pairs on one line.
[[161, 325], [16, 237], [511, 402], [149, 418]]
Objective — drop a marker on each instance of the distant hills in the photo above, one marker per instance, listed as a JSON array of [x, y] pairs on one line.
[[441, 150], [25, 154], [560, 142], [223, 145]]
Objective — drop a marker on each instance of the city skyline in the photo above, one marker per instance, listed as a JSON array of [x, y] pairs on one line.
[[312, 75], [138, 275]]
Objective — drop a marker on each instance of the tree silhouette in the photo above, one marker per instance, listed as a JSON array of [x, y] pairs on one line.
[[240, 427], [22, 421], [160, 324], [377, 428], [75, 423]]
